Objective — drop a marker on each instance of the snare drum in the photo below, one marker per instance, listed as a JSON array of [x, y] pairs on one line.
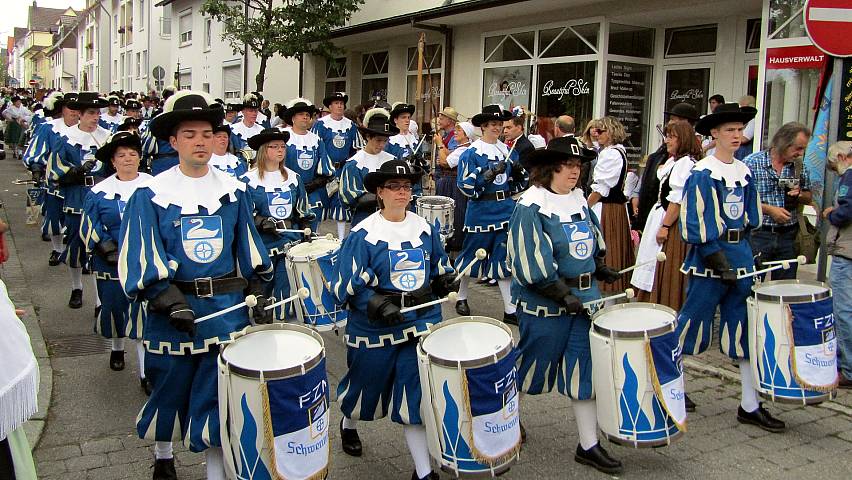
[[792, 341], [470, 399], [273, 403], [638, 374], [438, 211], [309, 265]]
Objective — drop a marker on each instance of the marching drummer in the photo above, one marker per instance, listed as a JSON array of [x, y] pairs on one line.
[[376, 129], [188, 247], [306, 155], [278, 195], [103, 210], [554, 241], [245, 128], [157, 153], [338, 134], [222, 157], [720, 206], [404, 145], [391, 260]]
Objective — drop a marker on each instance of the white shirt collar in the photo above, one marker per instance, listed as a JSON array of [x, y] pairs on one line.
[[172, 187], [86, 140], [306, 141], [271, 180], [342, 125], [244, 131], [369, 161], [394, 233], [112, 186], [493, 151], [552, 204], [732, 174]]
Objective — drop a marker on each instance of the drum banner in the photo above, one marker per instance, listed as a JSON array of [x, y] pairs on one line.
[[35, 198], [491, 399], [296, 420], [813, 355], [665, 364]]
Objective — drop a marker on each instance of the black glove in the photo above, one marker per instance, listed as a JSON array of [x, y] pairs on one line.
[[108, 250], [719, 263], [444, 284], [266, 224], [88, 166], [367, 202], [758, 263], [259, 312], [316, 183], [560, 292], [381, 311], [38, 176], [492, 172], [172, 304], [605, 274], [74, 176]]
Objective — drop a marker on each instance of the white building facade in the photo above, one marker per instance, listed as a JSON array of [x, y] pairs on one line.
[[140, 43]]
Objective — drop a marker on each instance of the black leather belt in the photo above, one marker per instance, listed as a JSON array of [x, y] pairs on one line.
[[779, 228], [732, 236], [499, 196], [207, 287], [583, 282], [410, 300]]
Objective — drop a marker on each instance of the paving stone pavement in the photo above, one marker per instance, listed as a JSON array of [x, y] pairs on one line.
[[89, 429]]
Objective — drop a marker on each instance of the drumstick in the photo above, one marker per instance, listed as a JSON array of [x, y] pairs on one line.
[[801, 260], [306, 231], [629, 293], [785, 264], [302, 293], [480, 255], [451, 297], [661, 257], [251, 302]]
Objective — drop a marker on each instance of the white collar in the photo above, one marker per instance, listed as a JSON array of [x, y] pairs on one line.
[[306, 141], [271, 180], [244, 131], [342, 125], [58, 125], [404, 140], [492, 151], [369, 161], [86, 140], [226, 160], [732, 174], [112, 186], [394, 233], [174, 188], [551, 204], [107, 116]]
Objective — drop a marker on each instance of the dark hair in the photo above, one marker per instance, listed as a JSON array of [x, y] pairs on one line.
[[687, 142], [716, 98], [786, 136], [518, 121], [542, 175]]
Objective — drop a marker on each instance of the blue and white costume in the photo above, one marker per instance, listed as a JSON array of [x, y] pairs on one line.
[[352, 180], [230, 164], [720, 206], [283, 200], [402, 146], [157, 153], [389, 258], [240, 133], [338, 137], [35, 158], [103, 210], [72, 148], [178, 228], [110, 122], [306, 156], [553, 237]]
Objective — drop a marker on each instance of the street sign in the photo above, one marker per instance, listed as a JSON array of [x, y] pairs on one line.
[[827, 23], [33, 82], [159, 73]]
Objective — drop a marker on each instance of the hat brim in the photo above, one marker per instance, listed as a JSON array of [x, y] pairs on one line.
[[83, 105], [713, 120], [163, 124], [453, 118], [543, 156], [288, 113], [392, 130], [259, 139], [105, 153], [374, 180], [327, 100], [399, 111], [480, 118], [681, 115]]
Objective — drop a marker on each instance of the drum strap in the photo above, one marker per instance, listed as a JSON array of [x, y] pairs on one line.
[[207, 287], [414, 298]]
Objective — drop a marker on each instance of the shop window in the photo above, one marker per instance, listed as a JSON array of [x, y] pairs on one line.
[[631, 41], [566, 89], [514, 46], [699, 40], [334, 86], [568, 41], [507, 86], [628, 99], [374, 79], [374, 89], [753, 35], [432, 57], [788, 97], [690, 86], [335, 75], [785, 19], [375, 63], [431, 88]]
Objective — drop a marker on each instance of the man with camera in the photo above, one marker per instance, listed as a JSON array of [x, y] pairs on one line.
[[783, 185]]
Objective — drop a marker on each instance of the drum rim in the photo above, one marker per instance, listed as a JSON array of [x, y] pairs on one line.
[[473, 363], [451, 201], [793, 298], [278, 374], [654, 332], [313, 256]]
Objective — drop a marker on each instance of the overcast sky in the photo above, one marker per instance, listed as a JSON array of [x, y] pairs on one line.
[[15, 13]]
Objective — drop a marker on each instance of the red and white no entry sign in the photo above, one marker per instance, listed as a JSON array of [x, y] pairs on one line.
[[828, 23]]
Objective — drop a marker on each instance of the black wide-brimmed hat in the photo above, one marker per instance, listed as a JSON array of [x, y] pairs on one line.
[[128, 123], [86, 100], [559, 150], [399, 108], [725, 113], [224, 127], [118, 139], [683, 110], [390, 170], [185, 105], [233, 107], [297, 105], [491, 112], [267, 135], [132, 105], [377, 122], [53, 103], [250, 100], [114, 101], [341, 96]]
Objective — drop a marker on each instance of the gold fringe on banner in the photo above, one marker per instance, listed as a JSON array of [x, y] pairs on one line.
[[491, 461], [817, 388]]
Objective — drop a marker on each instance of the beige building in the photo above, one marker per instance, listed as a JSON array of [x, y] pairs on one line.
[[42, 26]]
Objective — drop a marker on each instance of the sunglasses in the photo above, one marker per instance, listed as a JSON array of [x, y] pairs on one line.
[[395, 187]]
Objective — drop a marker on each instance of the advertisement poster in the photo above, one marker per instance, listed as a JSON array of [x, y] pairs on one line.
[[507, 86]]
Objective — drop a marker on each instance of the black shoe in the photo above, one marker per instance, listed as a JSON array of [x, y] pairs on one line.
[[146, 386], [86, 270], [97, 311], [432, 476], [45, 237], [597, 458], [761, 418], [483, 280], [690, 405], [523, 433], [76, 300], [491, 283], [462, 308], [54, 259], [351, 441], [116, 360], [510, 319], [164, 469]]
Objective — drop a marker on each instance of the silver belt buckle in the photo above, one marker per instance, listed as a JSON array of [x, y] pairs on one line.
[[89, 181], [501, 195], [584, 281], [202, 284], [734, 236]]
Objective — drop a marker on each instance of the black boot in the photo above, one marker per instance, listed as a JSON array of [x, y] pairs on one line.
[[432, 476], [76, 300], [146, 386], [54, 259], [690, 405], [164, 469], [597, 458], [116, 360], [462, 308], [351, 441], [761, 418], [510, 319]]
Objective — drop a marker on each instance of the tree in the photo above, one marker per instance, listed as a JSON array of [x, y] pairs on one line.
[[290, 28]]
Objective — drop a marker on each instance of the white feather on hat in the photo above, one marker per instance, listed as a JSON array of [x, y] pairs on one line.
[[50, 102], [170, 102], [295, 101], [170, 88], [396, 104], [375, 111], [249, 97]]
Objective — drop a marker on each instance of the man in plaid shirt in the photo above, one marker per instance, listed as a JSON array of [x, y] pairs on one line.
[[781, 193]]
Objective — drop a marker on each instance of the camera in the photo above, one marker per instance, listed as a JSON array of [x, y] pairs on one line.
[[788, 183]]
